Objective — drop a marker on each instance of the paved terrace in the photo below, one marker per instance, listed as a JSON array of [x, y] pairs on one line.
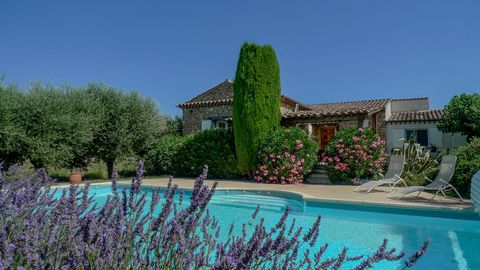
[[341, 193]]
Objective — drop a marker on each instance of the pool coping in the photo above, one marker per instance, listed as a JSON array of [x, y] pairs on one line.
[[312, 199]]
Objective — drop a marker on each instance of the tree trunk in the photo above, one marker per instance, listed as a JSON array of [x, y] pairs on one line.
[[110, 168]]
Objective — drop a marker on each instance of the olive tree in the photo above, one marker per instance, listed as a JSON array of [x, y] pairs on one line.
[[462, 114], [125, 124], [13, 141], [57, 125]]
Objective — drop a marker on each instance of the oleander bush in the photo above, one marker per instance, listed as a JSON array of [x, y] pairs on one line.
[[161, 158], [214, 147], [355, 154], [45, 228], [285, 156], [468, 163]]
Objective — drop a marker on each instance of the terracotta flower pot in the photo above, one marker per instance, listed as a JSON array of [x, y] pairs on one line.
[[75, 178]]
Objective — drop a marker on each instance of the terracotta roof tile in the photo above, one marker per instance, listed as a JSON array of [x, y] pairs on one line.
[[416, 116], [222, 95], [402, 99], [340, 108]]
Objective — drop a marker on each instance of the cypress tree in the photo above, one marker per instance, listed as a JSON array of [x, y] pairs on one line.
[[256, 102]]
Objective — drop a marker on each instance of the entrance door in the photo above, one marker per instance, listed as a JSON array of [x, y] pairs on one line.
[[323, 135]]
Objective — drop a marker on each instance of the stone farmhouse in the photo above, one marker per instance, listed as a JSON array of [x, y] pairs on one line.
[[392, 119]]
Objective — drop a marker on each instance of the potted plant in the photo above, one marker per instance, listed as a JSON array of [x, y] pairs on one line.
[[75, 176], [77, 165]]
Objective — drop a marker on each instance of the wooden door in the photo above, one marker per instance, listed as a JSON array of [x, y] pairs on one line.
[[323, 135], [326, 133]]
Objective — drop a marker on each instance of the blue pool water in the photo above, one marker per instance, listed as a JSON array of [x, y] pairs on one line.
[[455, 235]]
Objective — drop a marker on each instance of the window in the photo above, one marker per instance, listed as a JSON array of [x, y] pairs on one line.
[[222, 124], [206, 124], [419, 135]]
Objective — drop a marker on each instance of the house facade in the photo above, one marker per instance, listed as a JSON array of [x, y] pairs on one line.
[[392, 119], [419, 123]]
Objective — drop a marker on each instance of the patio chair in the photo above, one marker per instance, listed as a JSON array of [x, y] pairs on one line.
[[392, 176], [439, 185]]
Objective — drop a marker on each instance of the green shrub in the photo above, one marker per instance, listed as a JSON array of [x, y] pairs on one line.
[[468, 163], [212, 147], [419, 163], [161, 158], [355, 154], [285, 156]]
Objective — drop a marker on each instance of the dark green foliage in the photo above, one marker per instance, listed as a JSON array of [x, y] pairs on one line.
[[13, 140], [125, 123], [161, 158], [172, 126], [65, 127], [57, 124], [212, 147], [462, 114], [419, 163], [285, 156], [468, 163], [256, 106]]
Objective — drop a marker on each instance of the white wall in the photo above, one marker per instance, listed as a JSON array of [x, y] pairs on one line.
[[442, 140], [388, 111], [410, 105], [455, 140]]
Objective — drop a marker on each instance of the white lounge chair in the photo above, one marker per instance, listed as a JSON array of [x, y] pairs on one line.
[[439, 185], [392, 176]]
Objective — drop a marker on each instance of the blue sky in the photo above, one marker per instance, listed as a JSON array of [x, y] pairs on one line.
[[172, 50]]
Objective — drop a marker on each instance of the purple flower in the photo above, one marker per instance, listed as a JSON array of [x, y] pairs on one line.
[[47, 229]]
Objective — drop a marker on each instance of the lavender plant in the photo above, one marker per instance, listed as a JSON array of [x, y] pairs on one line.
[[41, 230]]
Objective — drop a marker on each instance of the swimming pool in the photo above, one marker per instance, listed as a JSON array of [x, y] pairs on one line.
[[455, 235]]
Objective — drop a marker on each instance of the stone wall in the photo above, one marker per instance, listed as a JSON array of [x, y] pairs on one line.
[[381, 124], [192, 118]]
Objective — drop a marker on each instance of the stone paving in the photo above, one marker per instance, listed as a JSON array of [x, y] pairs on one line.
[[343, 193]]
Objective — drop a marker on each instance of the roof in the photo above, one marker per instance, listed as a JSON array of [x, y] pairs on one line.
[[416, 116], [341, 108], [406, 99], [222, 94]]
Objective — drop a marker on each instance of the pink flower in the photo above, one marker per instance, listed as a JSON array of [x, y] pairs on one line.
[[355, 138]]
